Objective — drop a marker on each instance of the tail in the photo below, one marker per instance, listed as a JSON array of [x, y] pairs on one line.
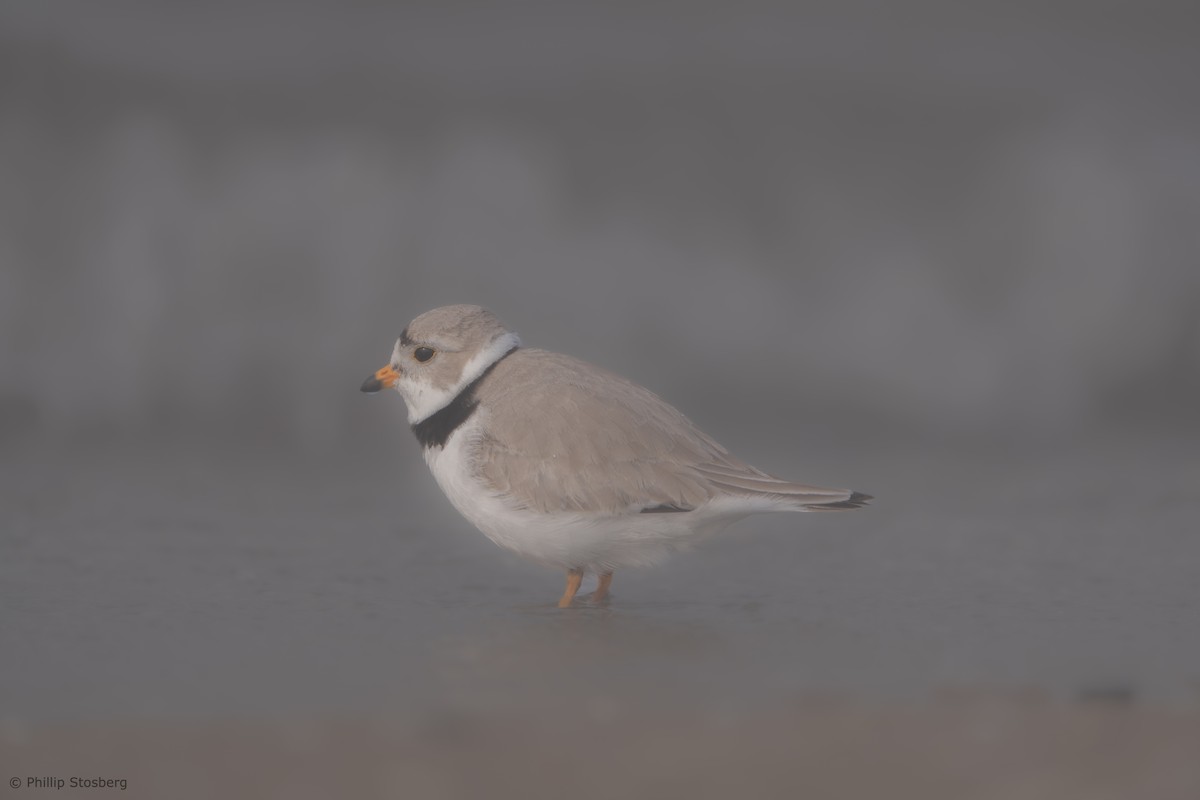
[[750, 483], [855, 500]]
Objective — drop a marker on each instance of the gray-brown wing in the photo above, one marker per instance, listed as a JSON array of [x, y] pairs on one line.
[[566, 436]]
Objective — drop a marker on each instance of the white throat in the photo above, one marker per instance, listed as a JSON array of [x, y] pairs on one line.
[[424, 400]]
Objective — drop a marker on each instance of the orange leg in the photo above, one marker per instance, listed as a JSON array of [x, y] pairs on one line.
[[574, 578], [602, 587]]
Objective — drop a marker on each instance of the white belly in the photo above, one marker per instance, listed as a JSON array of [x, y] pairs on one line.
[[565, 540]]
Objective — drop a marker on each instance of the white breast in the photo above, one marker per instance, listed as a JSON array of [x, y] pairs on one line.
[[564, 540]]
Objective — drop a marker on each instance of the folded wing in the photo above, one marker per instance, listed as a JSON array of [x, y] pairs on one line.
[[565, 436]]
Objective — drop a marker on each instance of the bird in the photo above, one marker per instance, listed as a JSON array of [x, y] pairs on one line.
[[566, 463]]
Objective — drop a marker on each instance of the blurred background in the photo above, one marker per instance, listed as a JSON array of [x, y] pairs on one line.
[[918, 213], [947, 254]]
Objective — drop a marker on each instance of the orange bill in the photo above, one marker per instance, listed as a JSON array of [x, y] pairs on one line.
[[384, 378]]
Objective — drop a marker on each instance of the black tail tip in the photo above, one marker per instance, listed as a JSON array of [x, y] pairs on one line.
[[855, 500]]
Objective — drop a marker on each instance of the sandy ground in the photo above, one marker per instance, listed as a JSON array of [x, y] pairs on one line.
[[202, 621], [977, 747]]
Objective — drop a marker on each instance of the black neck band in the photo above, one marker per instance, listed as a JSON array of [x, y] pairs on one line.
[[434, 430]]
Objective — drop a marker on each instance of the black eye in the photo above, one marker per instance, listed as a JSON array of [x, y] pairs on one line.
[[423, 354]]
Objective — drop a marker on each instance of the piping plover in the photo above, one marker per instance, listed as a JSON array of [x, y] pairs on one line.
[[563, 462]]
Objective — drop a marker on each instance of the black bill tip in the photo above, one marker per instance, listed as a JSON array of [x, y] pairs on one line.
[[371, 385]]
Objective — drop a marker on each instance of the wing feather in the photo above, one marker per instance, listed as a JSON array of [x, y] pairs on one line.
[[563, 435]]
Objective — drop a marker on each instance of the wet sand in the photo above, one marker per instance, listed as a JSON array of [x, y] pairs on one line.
[[212, 619], [977, 747]]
